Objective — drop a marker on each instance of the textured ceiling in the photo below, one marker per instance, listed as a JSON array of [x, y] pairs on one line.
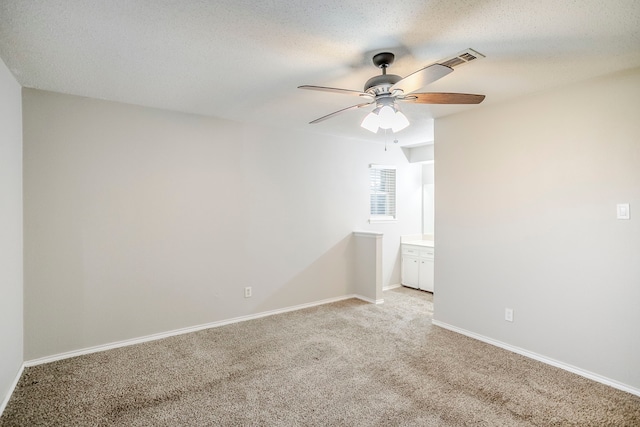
[[243, 59]]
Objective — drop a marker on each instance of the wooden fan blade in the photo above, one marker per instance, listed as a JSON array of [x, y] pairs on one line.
[[328, 116], [421, 78], [443, 98], [335, 90]]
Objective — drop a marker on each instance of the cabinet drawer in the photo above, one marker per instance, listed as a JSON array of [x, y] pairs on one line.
[[410, 250], [427, 253]]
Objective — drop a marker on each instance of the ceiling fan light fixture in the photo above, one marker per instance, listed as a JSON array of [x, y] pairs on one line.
[[400, 122], [371, 122], [386, 117]]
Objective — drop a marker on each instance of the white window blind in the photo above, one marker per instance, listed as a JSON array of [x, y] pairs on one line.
[[382, 191]]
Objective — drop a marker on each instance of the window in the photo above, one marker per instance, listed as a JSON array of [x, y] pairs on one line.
[[382, 191]]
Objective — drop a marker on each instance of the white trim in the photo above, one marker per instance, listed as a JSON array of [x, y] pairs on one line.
[[6, 399], [388, 288], [159, 336], [369, 234], [541, 358], [375, 166], [382, 221], [369, 300]]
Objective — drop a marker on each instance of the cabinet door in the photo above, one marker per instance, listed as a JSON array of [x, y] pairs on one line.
[[410, 271], [426, 274]]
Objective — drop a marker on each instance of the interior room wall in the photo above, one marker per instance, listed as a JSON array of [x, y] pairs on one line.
[[11, 277], [526, 219], [140, 221], [428, 198]]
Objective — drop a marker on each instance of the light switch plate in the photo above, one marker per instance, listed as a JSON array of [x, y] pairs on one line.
[[508, 314], [623, 211]]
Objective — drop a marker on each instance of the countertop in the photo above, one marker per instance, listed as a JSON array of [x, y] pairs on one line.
[[426, 243]]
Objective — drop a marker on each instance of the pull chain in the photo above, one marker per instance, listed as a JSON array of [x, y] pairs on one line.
[[386, 139]]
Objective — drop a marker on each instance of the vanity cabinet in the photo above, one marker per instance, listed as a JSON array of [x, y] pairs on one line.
[[417, 266]]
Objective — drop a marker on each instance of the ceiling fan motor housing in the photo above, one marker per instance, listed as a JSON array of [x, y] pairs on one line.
[[378, 85]]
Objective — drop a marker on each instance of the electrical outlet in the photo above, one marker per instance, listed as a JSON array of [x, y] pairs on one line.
[[247, 292], [508, 314]]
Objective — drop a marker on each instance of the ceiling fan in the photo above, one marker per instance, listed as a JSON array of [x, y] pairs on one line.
[[385, 91]]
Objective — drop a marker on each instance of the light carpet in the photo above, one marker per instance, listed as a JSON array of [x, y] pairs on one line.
[[342, 364]]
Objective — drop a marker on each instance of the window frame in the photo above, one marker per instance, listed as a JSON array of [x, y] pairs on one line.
[[379, 186]]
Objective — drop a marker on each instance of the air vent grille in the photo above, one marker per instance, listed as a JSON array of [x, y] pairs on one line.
[[462, 58], [468, 57], [453, 62]]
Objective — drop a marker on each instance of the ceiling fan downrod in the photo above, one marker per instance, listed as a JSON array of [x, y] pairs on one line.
[[379, 85]]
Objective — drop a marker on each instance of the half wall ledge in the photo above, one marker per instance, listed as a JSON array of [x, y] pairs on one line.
[[368, 265]]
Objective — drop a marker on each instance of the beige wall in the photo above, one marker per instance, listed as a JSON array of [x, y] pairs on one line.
[[10, 231], [526, 219], [141, 221]]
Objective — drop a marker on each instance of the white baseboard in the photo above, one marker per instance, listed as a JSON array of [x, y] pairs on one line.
[[541, 358], [5, 401], [369, 300], [389, 287], [159, 336]]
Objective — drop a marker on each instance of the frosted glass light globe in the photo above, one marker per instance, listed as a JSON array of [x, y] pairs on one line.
[[387, 117]]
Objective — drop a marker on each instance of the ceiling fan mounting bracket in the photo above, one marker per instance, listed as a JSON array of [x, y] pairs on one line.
[[383, 59]]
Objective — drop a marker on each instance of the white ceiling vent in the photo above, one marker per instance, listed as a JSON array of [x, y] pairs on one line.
[[462, 58]]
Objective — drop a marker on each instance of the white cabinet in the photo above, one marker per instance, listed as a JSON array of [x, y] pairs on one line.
[[410, 271], [426, 271], [417, 267]]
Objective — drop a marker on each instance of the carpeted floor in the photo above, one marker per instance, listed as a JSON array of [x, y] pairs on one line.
[[343, 364]]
